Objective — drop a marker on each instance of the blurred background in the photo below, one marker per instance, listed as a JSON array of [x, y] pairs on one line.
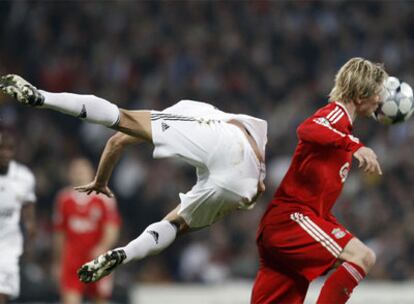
[[271, 59]]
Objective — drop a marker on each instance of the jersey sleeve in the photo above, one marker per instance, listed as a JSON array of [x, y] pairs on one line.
[[318, 129]]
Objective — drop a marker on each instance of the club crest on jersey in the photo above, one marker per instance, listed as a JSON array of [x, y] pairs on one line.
[[343, 172], [338, 233], [322, 121]]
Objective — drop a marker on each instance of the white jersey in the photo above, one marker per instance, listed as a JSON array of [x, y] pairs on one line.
[[256, 127], [16, 189]]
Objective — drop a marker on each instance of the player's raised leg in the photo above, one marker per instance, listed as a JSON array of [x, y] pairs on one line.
[[154, 239], [86, 107], [358, 260], [135, 123]]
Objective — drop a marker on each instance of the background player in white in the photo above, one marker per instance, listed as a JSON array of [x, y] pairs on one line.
[[226, 149], [17, 199]]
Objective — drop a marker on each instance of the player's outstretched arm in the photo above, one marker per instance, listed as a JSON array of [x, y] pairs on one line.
[[110, 156], [368, 160], [318, 130], [28, 215]]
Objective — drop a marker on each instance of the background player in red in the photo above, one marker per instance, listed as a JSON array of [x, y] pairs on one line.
[[298, 238], [85, 226]]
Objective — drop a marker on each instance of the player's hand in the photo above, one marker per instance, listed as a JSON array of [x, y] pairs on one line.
[[368, 160], [95, 187]]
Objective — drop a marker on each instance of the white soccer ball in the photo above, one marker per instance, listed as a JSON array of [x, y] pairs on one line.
[[397, 103]]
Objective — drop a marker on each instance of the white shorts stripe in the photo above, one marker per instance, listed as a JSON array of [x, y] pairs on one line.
[[333, 112], [315, 233], [353, 272], [323, 236], [331, 240], [323, 243]]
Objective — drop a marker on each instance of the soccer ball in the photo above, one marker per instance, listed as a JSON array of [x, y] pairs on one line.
[[396, 102]]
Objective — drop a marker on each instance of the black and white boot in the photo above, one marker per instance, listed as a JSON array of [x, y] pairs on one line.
[[18, 88], [101, 266]]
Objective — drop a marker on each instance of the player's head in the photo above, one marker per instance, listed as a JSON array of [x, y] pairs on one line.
[[7, 147], [80, 171], [359, 81]]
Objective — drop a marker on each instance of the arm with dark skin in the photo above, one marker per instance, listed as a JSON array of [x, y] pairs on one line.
[[29, 226], [110, 156]]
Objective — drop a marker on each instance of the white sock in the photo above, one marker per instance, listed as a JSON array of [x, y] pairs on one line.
[[155, 238], [87, 107]]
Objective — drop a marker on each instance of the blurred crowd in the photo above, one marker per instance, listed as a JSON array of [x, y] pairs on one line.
[[272, 59]]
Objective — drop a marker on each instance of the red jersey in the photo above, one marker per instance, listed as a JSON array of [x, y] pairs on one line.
[[321, 161], [82, 218]]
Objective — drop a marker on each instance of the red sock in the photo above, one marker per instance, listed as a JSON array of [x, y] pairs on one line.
[[340, 284]]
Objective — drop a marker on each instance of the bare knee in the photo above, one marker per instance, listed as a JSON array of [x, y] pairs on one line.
[[177, 221], [181, 225], [135, 123], [369, 258], [358, 253]]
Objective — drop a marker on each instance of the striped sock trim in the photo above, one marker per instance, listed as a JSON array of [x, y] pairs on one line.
[[353, 271]]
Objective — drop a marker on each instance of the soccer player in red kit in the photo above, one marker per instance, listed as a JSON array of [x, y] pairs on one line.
[[299, 238], [85, 226]]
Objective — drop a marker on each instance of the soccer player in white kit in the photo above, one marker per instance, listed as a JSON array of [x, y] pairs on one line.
[[17, 199], [226, 149]]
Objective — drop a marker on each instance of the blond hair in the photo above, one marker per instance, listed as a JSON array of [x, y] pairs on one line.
[[358, 78]]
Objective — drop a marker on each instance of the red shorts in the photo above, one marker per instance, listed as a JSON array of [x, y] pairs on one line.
[[295, 246], [70, 282]]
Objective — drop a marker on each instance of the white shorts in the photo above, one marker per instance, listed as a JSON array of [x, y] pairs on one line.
[[228, 170], [9, 276]]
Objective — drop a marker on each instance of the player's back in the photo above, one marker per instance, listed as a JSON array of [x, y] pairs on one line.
[[321, 161]]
